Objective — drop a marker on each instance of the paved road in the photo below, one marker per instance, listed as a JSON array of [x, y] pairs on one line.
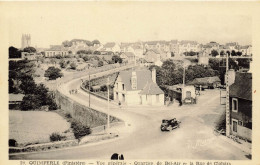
[[142, 138]]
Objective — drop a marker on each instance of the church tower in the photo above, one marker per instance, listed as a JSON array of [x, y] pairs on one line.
[[26, 40]]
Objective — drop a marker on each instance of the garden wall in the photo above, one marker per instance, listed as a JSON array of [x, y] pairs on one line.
[[87, 116]]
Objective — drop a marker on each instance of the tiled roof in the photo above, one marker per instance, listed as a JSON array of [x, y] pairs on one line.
[[16, 97], [188, 42], [242, 87], [143, 76], [151, 88], [109, 45], [245, 47], [129, 54]]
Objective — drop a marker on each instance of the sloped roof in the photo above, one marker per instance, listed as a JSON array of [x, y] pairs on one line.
[[129, 54], [151, 88], [143, 76], [16, 97], [151, 56], [183, 42], [245, 47], [109, 45], [242, 87]]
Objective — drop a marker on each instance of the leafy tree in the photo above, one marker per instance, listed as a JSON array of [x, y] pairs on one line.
[[191, 53], [233, 53], [14, 52], [53, 73], [30, 102], [97, 52], [73, 65], [100, 63], [66, 43], [95, 42], [214, 53], [116, 59], [239, 53], [63, 64], [29, 49], [27, 84], [244, 63], [222, 53]]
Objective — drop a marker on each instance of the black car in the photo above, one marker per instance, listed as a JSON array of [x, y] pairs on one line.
[[169, 124]]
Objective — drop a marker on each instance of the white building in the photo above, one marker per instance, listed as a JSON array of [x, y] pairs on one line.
[[138, 88]]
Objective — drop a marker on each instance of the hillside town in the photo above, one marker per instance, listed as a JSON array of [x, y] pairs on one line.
[[179, 96]]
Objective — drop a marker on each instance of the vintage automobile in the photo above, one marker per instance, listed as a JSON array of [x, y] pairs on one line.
[[169, 124]]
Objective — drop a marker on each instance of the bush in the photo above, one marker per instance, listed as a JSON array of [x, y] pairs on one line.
[[68, 115], [56, 137], [103, 88], [30, 102], [79, 129], [12, 143], [73, 66], [53, 73]]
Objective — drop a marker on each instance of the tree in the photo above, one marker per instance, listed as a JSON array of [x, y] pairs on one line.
[[233, 53], [53, 73], [117, 59], [27, 84], [73, 65], [97, 52], [244, 63], [66, 43], [214, 53], [14, 52], [63, 64], [95, 42], [222, 53], [30, 102], [239, 53], [29, 49], [100, 63]]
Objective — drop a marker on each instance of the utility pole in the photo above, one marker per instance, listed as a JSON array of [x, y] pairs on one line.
[[108, 116], [227, 99], [183, 75], [88, 87]]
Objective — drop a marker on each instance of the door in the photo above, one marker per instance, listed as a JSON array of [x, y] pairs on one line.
[[234, 127]]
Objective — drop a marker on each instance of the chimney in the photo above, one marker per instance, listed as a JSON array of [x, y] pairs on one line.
[[154, 75]]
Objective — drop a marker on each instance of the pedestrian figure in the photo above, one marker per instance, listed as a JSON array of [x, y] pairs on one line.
[[119, 104]]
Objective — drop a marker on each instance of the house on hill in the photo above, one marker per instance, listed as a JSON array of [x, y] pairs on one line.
[[240, 99], [56, 50], [138, 87], [111, 47], [128, 57]]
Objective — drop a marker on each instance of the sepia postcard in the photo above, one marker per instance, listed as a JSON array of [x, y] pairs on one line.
[[130, 82]]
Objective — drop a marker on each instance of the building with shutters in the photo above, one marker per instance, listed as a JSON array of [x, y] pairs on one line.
[[138, 87], [240, 99]]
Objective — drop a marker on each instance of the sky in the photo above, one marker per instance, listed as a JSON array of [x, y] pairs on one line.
[[50, 23]]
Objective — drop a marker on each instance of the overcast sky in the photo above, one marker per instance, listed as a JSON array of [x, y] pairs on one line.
[[52, 23]]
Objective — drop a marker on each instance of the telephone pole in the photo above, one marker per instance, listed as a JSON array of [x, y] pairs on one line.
[[108, 116], [227, 99]]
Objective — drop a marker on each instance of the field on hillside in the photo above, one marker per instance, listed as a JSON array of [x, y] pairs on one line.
[[30, 127]]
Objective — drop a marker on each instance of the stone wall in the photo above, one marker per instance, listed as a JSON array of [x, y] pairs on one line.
[[88, 116]]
